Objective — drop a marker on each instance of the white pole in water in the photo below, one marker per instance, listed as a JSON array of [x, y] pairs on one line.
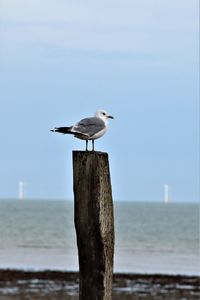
[[166, 192], [21, 190]]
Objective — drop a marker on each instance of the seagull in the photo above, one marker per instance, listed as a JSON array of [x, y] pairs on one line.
[[89, 128]]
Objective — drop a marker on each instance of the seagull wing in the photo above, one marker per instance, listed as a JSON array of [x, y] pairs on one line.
[[89, 126]]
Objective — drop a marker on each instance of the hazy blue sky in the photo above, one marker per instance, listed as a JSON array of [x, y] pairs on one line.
[[62, 60]]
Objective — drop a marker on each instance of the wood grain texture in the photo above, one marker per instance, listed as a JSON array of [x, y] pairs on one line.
[[94, 224]]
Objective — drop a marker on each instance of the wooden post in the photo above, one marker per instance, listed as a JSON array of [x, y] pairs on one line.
[[94, 224]]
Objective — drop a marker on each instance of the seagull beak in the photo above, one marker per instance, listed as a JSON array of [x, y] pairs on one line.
[[110, 117]]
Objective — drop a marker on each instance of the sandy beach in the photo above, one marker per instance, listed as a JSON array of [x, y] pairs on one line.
[[53, 285]]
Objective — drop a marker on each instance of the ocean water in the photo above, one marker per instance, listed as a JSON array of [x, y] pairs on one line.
[[149, 237]]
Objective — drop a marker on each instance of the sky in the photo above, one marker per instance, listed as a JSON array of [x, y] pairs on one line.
[[61, 60]]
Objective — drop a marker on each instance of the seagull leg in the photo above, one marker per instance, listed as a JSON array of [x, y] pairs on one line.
[[86, 145], [92, 145]]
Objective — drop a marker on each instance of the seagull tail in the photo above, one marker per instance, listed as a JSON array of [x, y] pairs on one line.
[[65, 130]]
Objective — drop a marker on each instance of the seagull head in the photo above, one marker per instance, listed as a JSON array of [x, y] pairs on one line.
[[102, 114]]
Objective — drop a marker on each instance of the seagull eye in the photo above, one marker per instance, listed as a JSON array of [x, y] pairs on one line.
[[104, 113]]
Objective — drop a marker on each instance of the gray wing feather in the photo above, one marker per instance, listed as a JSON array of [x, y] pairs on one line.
[[89, 126]]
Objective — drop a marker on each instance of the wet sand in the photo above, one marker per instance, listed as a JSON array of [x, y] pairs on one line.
[[54, 285]]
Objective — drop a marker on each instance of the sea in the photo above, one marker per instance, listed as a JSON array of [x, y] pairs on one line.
[[150, 238]]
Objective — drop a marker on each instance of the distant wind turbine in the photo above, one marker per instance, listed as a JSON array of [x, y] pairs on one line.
[[166, 194], [21, 190]]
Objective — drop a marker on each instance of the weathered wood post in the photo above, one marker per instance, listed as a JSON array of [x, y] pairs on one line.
[[94, 224]]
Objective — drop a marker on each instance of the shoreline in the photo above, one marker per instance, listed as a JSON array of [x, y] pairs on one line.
[[50, 285], [15, 274]]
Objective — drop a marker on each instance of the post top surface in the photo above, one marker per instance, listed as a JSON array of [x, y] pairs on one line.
[[89, 152], [90, 155]]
